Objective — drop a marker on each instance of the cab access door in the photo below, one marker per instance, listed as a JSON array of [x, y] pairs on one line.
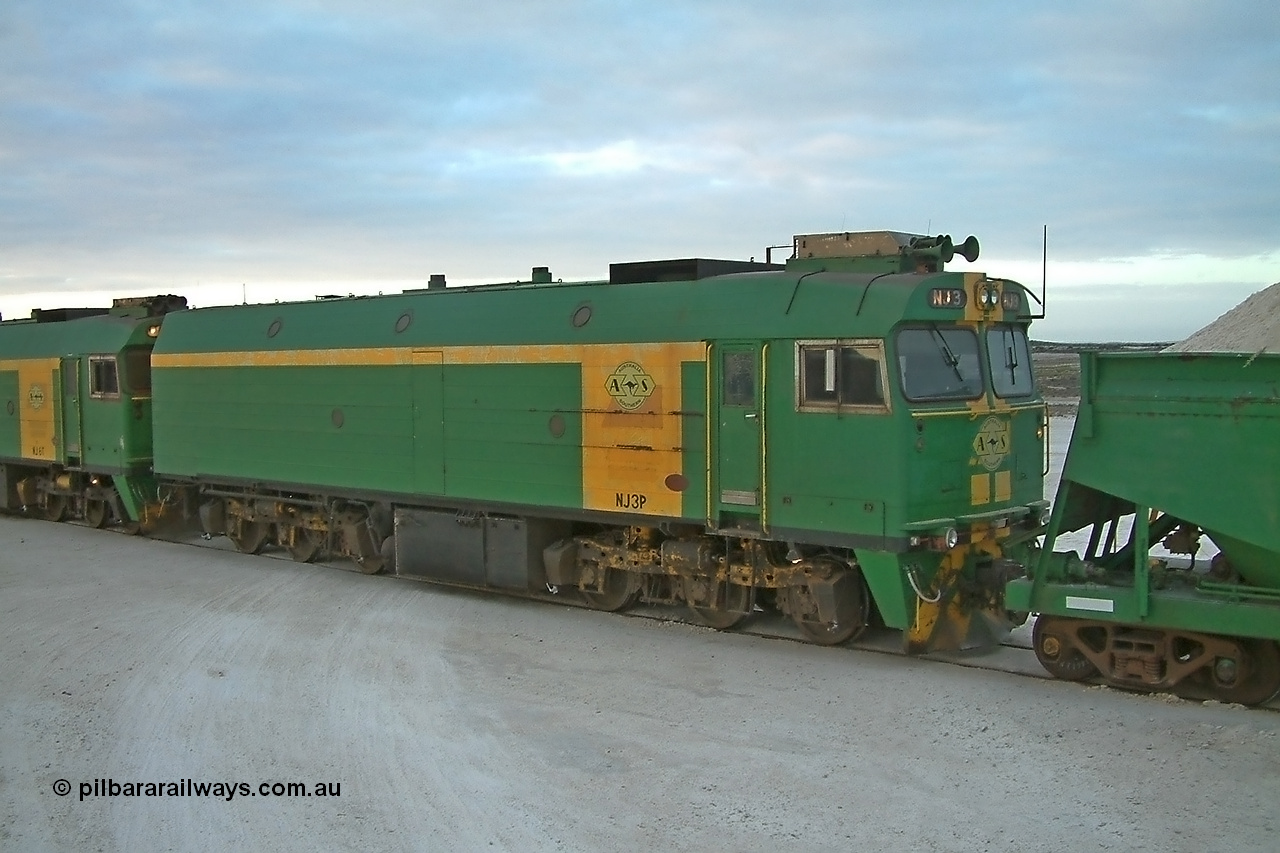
[[737, 478], [69, 412]]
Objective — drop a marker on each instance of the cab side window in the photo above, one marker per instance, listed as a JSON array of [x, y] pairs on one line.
[[104, 381], [840, 374]]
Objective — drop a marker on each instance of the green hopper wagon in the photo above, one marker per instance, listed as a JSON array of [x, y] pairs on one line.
[[1169, 449]]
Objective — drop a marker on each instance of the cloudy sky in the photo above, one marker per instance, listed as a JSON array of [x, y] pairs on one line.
[[276, 149]]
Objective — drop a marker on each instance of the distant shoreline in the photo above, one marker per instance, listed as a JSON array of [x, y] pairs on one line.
[[1057, 369]]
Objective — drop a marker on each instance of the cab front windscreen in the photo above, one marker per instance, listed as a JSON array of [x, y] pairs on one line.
[[939, 363], [1009, 355]]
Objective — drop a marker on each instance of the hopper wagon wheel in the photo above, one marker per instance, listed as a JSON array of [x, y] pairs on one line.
[[618, 591], [55, 507], [96, 513], [1057, 651], [851, 608], [735, 608], [249, 537], [1252, 680]]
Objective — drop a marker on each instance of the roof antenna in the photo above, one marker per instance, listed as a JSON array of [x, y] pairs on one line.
[[1044, 274]]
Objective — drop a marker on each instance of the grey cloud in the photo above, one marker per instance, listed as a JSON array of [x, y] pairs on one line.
[[325, 138]]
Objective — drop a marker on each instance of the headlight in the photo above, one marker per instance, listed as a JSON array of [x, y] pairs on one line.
[[988, 295]]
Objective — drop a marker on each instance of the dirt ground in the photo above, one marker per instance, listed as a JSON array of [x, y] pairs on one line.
[[459, 721], [1057, 374]]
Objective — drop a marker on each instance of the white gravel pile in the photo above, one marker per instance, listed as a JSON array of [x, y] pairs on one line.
[[1253, 326]]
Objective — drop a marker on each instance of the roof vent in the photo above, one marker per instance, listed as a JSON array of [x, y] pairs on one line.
[[436, 282]]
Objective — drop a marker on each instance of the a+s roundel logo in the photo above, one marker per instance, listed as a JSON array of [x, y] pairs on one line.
[[991, 444], [629, 385], [35, 397]]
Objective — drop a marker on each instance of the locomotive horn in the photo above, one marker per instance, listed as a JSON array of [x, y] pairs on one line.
[[967, 250]]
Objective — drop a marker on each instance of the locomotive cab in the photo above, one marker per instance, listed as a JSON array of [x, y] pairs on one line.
[[75, 430], [925, 432]]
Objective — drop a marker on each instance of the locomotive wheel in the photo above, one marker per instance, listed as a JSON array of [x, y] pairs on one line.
[[850, 606], [249, 536], [1255, 679], [370, 564], [55, 507], [370, 558], [1057, 651], [305, 546], [618, 592], [95, 513], [737, 602], [388, 552]]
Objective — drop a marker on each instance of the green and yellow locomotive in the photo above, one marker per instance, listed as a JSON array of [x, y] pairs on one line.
[[75, 422], [846, 437]]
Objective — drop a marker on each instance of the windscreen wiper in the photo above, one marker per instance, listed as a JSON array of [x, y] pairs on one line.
[[947, 355]]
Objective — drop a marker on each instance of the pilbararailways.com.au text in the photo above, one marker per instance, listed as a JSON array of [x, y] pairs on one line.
[[190, 788]]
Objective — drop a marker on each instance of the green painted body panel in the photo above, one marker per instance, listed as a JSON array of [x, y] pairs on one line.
[[115, 435], [477, 432], [427, 390], [9, 434], [104, 334], [339, 426], [894, 598], [1226, 612], [136, 491], [835, 478], [1196, 437], [693, 402], [497, 436]]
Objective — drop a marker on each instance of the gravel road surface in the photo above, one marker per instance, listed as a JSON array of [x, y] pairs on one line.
[[459, 721]]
